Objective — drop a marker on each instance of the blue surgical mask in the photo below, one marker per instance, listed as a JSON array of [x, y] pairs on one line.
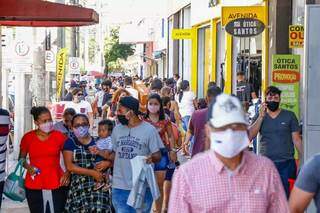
[[81, 131]]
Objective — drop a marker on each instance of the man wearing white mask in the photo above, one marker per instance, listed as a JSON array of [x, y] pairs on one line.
[[227, 178]]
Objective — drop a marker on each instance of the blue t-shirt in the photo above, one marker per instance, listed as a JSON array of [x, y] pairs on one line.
[[72, 144]]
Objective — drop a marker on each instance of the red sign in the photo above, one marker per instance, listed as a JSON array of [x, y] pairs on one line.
[[285, 76]]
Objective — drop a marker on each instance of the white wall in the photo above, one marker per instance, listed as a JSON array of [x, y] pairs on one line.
[[201, 12], [176, 5]]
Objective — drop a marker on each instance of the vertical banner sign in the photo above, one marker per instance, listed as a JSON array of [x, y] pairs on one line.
[[296, 36], [286, 76], [61, 64]]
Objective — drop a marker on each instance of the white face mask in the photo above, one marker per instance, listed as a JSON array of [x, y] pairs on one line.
[[229, 143]]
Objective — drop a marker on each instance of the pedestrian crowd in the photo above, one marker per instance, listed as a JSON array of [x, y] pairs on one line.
[[158, 148]]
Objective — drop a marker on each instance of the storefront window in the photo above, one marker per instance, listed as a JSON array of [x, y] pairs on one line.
[[247, 59], [204, 60], [221, 56]]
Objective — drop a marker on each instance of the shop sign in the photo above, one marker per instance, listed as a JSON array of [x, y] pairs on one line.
[[296, 36], [61, 66], [245, 27], [243, 12], [286, 76], [182, 34]]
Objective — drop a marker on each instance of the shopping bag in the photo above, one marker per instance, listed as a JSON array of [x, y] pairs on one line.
[[14, 185]]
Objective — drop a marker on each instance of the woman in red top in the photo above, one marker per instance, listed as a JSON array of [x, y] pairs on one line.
[[45, 178], [156, 117]]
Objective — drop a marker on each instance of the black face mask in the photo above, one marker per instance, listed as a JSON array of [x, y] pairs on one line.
[[273, 105], [123, 120]]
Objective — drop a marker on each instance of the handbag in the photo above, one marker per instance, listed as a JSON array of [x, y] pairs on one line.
[[14, 186]]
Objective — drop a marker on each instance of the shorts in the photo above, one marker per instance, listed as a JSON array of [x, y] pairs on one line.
[[162, 165], [170, 172]]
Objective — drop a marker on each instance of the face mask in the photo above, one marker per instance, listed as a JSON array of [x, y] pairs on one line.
[[273, 105], [153, 108], [229, 143], [46, 127], [123, 120], [81, 98], [81, 131]]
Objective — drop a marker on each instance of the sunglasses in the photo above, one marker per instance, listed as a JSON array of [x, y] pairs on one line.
[[79, 94]]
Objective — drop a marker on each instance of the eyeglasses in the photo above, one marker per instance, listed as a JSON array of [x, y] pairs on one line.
[[79, 94]]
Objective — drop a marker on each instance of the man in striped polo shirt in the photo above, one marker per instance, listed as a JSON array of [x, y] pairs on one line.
[[4, 131]]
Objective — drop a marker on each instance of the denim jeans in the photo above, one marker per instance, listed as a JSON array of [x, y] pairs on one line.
[[120, 197], [287, 170], [185, 122]]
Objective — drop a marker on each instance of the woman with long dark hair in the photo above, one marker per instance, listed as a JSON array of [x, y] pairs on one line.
[[156, 117], [187, 103], [45, 178], [85, 171]]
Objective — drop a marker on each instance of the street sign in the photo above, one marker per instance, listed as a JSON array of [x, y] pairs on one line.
[[182, 34], [74, 65], [49, 57], [296, 36], [245, 27], [21, 48], [22, 56]]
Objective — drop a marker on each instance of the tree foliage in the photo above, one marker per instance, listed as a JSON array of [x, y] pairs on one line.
[[116, 52]]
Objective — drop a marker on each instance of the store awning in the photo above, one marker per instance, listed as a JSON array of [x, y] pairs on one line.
[[37, 13]]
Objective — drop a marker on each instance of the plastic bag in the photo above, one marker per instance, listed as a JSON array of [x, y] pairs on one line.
[[14, 186]]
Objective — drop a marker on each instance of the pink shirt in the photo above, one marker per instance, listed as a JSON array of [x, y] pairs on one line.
[[205, 185]]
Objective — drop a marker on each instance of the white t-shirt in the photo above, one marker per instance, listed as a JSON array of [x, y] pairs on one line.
[[83, 107], [100, 96], [133, 92], [186, 107]]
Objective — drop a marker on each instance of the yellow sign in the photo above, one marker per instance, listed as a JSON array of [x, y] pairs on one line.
[[243, 12], [182, 34], [61, 64], [296, 36]]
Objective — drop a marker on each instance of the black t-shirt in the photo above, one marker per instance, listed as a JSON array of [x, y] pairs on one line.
[[276, 136], [244, 91], [106, 98]]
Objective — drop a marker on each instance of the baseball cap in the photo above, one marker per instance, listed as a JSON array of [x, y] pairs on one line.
[[130, 103], [227, 110]]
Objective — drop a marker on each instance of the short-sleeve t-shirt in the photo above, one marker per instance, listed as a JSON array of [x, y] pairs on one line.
[[104, 143], [142, 140], [244, 91], [276, 136], [197, 126], [72, 144], [83, 107], [309, 179], [186, 107], [44, 155]]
